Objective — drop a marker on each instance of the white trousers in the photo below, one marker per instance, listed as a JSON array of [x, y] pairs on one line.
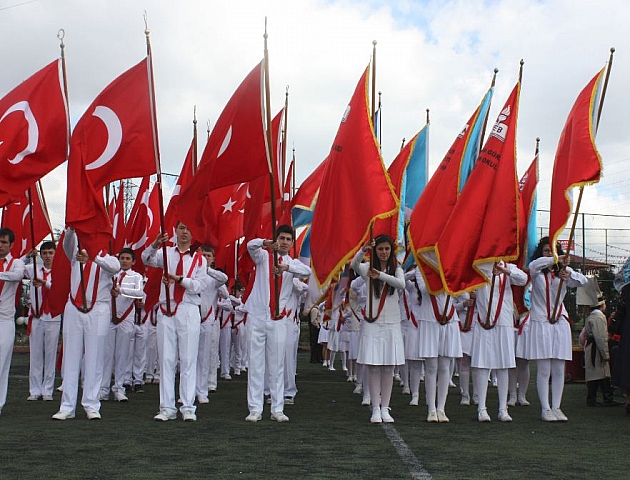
[[266, 352], [225, 348], [152, 358], [137, 364], [84, 335], [236, 357], [43, 343], [203, 359], [178, 334], [117, 356], [290, 358], [7, 338], [215, 331]]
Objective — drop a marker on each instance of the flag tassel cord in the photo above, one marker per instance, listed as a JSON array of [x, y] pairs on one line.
[[553, 318], [158, 168], [486, 324]]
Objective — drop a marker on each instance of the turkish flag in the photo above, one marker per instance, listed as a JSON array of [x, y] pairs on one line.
[[355, 190], [112, 140], [144, 221], [117, 216], [235, 153], [60, 280], [34, 130], [16, 216], [115, 134]]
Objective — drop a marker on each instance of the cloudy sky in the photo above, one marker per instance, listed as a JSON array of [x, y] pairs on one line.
[[430, 54]]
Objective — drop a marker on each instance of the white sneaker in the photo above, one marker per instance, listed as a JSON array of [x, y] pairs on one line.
[[254, 417], [103, 397], [47, 398], [226, 377], [432, 417], [548, 416], [332, 369], [189, 416], [451, 384], [60, 388], [201, 399], [504, 416], [279, 417], [325, 363], [366, 400], [165, 416], [559, 415], [376, 415], [482, 416], [406, 390], [349, 379], [120, 397], [522, 401], [237, 372], [465, 400], [414, 400], [93, 414], [442, 418], [397, 377], [63, 415], [385, 416], [358, 390], [511, 401], [289, 400], [32, 398]]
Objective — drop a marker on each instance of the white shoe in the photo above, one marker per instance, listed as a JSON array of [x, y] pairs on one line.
[[289, 400], [268, 401], [32, 398], [60, 388], [548, 416], [522, 401], [476, 399], [482, 416], [358, 390], [385, 416], [120, 397], [103, 397], [47, 398], [442, 418], [201, 399], [366, 400], [189, 417], [494, 382], [93, 414], [165, 416], [559, 415], [63, 415], [237, 373], [511, 401], [226, 377], [465, 400], [325, 364], [432, 417], [332, 369], [254, 417], [414, 400], [406, 390], [397, 377], [279, 417], [504, 416], [451, 384], [376, 415]]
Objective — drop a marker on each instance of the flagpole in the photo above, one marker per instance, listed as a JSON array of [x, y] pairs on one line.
[[194, 145], [60, 35], [485, 120], [40, 191], [373, 79], [32, 223], [272, 173], [553, 318], [158, 168], [372, 253], [284, 136]]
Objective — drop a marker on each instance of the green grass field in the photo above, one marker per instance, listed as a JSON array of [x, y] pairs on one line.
[[329, 436]]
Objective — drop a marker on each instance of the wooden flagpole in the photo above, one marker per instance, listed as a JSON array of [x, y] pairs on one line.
[[373, 250], [554, 315], [32, 224], [40, 190], [272, 167], [194, 145], [156, 152]]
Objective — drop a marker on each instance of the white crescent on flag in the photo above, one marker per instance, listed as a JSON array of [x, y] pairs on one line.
[[114, 136], [33, 130], [143, 240], [226, 142]]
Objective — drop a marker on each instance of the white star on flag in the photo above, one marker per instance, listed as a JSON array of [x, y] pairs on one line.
[[227, 206]]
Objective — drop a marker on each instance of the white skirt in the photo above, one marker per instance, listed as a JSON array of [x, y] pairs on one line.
[[353, 345], [323, 335], [544, 340], [412, 343], [466, 339], [381, 344], [519, 340], [439, 340], [493, 348], [334, 338]]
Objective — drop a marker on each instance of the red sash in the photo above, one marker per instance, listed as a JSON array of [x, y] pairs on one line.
[[272, 297], [77, 301], [408, 311], [196, 262], [502, 284], [438, 315], [44, 307], [207, 315], [469, 318]]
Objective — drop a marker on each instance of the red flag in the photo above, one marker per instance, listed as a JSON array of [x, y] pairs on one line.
[[355, 190], [114, 136], [434, 207], [112, 140], [143, 225], [285, 215], [60, 274], [16, 216], [34, 130], [184, 179], [577, 160], [235, 152], [117, 214], [483, 227]]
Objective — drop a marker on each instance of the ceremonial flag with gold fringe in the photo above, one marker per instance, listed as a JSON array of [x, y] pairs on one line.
[[577, 161], [434, 207], [484, 226], [354, 192]]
